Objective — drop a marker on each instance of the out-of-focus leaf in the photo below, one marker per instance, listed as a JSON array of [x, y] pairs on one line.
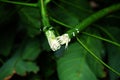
[[95, 45], [32, 49], [72, 65], [24, 66], [30, 20], [114, 57], [114, 31], [114, 53], [18, 64], [7, 70]]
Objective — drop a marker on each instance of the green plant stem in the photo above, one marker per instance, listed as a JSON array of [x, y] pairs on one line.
[[47, 28], [20, 3], [97, 57], [85, 23], [88, 48], [61, 23], [86, 10], [45, 19], [98, 37], [106, 40]]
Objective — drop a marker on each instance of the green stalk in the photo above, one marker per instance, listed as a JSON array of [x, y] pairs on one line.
[[45, 19], [98, 37], [61, 23], [106, 40], [85, 23], [47, 28], [97, 57], [20, 3]]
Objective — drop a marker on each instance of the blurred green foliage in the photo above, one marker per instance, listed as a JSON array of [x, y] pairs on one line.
[[26, 55]]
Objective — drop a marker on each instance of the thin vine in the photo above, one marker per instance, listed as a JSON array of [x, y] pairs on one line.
[[97, 57], [20, 3], [85, 33]]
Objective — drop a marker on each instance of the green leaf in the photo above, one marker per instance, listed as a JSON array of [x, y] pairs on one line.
[[114, 31], [30, 20], [113, 58], [24, 66], [114, 53], [7, 70], [96, 46], [16, 64], [73, 66], [32, 49]]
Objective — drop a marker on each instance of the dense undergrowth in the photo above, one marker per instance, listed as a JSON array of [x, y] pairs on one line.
[[93, 52]]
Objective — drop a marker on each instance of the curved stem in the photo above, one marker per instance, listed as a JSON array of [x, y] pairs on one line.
[[61, 23], [85, 23], [20, 3], [97, 57], [98, 37], [45, 19], [47, 28]]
